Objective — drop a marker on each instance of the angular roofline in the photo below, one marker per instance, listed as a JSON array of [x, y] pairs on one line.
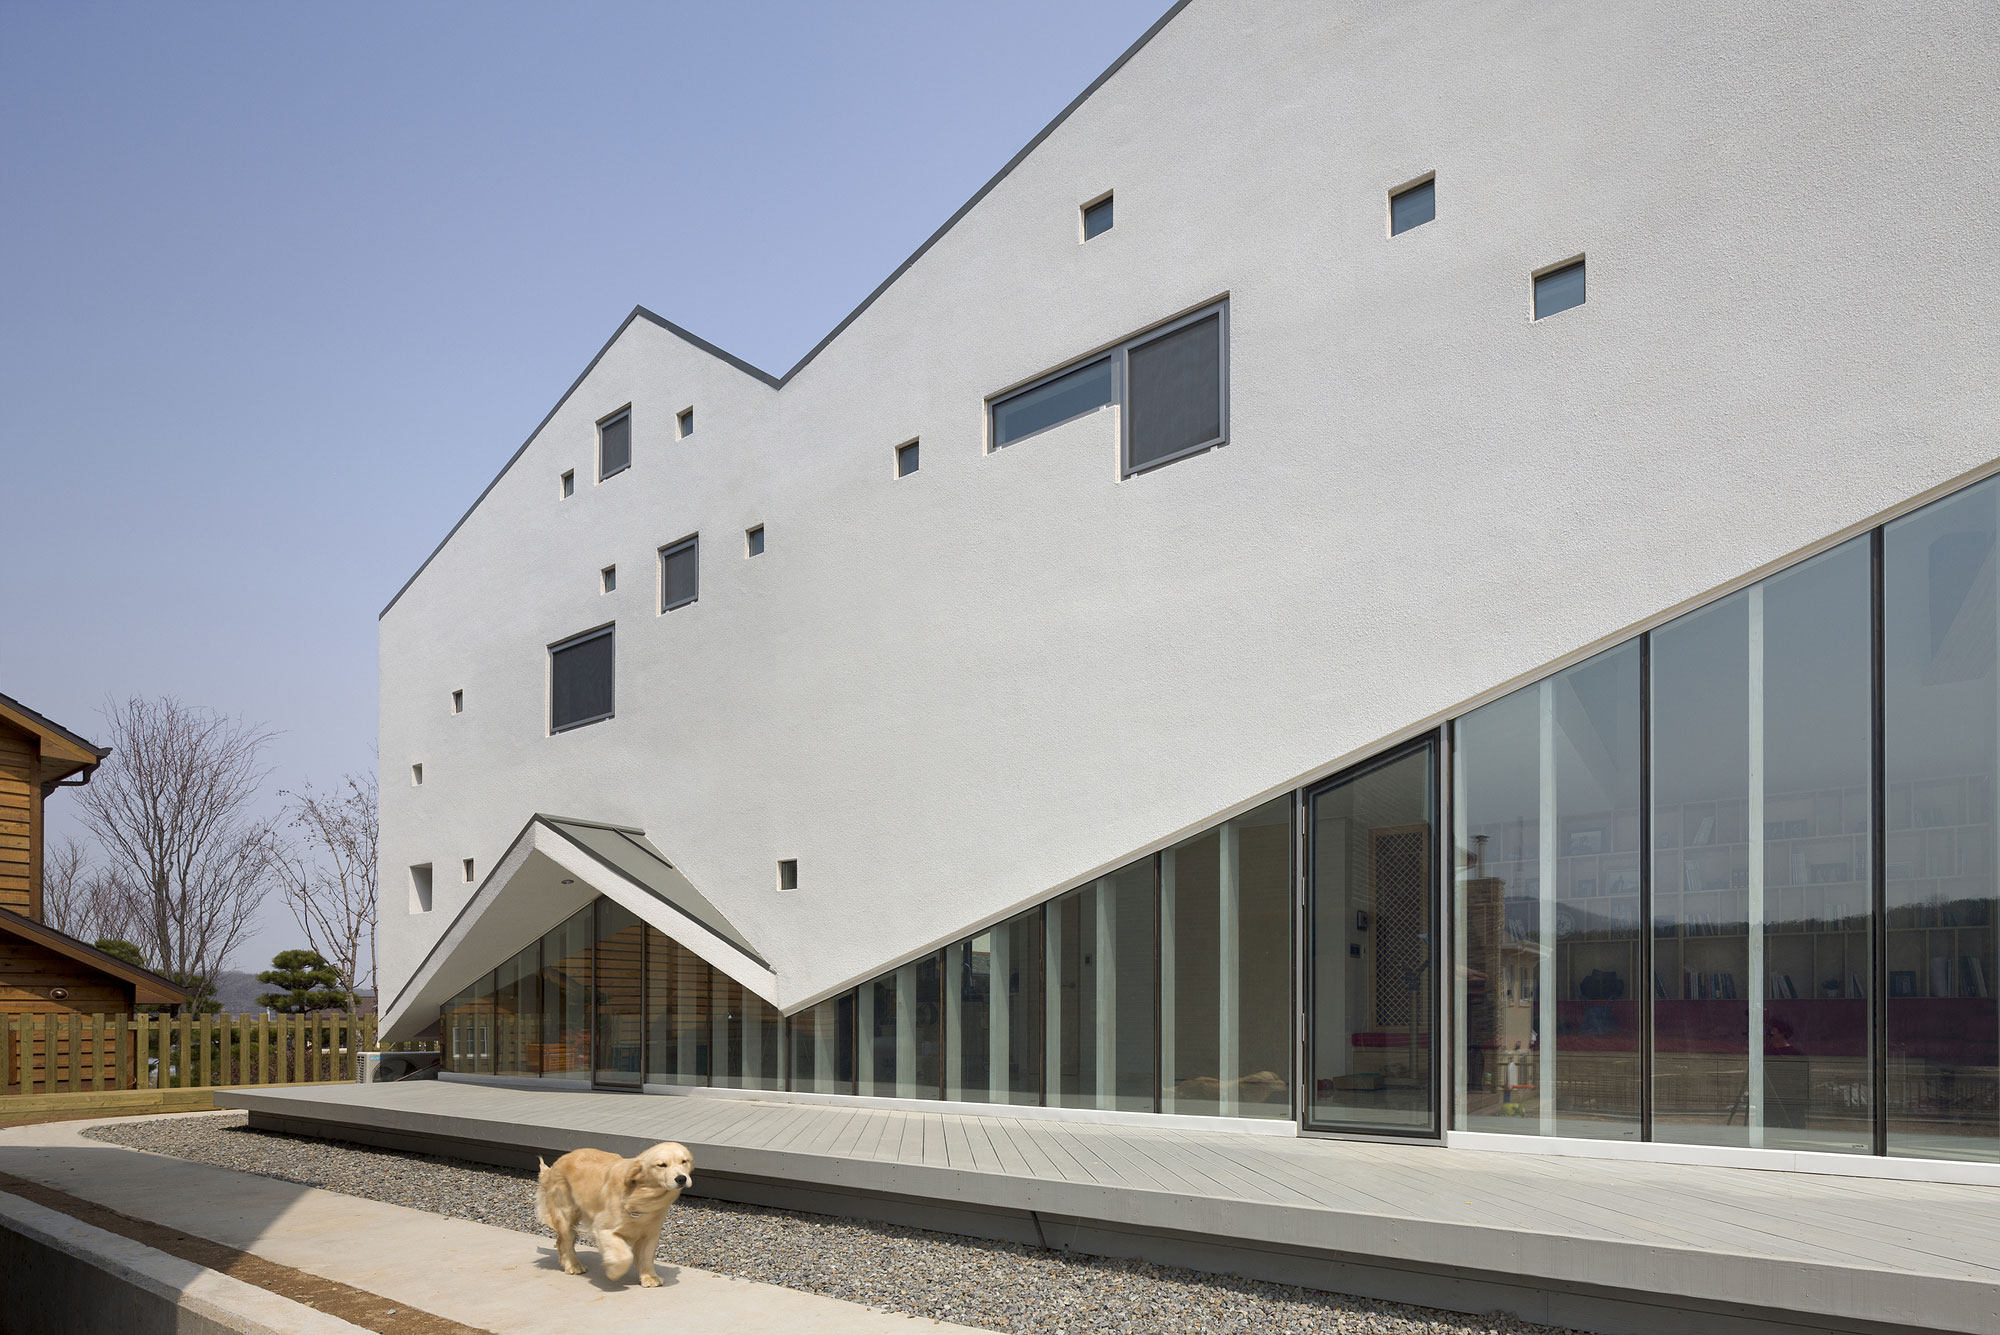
[[43, 723], [779, 382], [158, 989]]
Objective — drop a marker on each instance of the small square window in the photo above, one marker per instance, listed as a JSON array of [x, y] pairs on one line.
[[1413, 207], [906, 459], [416, 776], [1559, 289], [569, 484], [420, 888], [753, 541], [1097, 218], [608, 578], [680, 574], [614, 444], [458, 702], [468, 869], [788, 874], [684, 421]]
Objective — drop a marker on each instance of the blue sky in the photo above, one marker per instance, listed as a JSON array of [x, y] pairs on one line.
[[283, 286]]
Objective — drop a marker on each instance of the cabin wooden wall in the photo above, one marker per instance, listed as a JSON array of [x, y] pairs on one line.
[[28, 972], [20, 822]]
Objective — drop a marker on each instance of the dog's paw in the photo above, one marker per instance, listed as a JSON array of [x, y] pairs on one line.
[[572, 1267], [650, 1281]]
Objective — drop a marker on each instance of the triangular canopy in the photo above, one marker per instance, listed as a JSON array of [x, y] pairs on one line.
[[555, 866]]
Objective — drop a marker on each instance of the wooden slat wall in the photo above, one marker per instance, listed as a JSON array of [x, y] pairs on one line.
[[20, 821]]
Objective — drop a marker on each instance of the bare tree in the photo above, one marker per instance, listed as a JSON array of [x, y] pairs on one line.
[[67, 898], [326, 869], [171, 810]]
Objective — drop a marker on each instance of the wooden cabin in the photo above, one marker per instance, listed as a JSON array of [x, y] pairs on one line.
[[44, 972]]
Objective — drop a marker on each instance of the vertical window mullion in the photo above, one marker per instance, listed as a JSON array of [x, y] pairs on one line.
[[1878, 848], [1648, 989]]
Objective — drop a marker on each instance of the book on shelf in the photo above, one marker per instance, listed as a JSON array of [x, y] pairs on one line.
[[1781, 989], [1705, 832], [1972, 975], [1941, 976], [1854, 988], [1659, 987]]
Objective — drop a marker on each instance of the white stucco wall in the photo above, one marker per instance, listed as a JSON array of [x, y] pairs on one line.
[[950, 694]]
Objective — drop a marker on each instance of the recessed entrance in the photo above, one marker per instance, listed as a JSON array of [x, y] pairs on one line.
[[1371, 974]]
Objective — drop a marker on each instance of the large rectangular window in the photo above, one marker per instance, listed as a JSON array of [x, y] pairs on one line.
[[822, 1044], [1100, 944], [517, 1009], [1226, 968], [1941, 736], [581, 679], [618, 997], [1762, 753], [993, 1017], [902, 1015], [1171, 382], [614, 444], [680, 574], [1546, 810], [679, 1011]]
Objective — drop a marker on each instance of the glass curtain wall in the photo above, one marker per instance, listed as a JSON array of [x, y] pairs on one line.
[[1226, 968], [1372, 896], [1099, 944], [1762, 752], [993, 1017], [1546, 817], [618, 974], [517, 1006], [1941, 746], [823, 1041], [902, 1017], [565, 987]]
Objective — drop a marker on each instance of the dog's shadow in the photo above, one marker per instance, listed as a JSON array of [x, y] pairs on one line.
[[593, 1270]]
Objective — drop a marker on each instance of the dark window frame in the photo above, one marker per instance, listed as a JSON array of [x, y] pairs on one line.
[[1106, 202], [909, 449], [572, 642], [1118, 354], [684, 423], [609, 420], [691, 542], [753, 541]]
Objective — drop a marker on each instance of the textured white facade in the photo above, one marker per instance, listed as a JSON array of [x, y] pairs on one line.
[[952, 694]]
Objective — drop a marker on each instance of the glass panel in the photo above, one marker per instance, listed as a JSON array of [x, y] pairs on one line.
[[1559, 291], [1373, 895], [994, 996], [1761, 903], [580, 682], [1054, 401], [822, 1042], [517, 1014], [902, 1029], [1226, 968], [460, 1039], [678, 999], [619, 976], [1099, 948], [1546, 804], [615, 446], [565, 1045], [1943, 1033], [1097, 219], [1413, 208], [1173, 399]]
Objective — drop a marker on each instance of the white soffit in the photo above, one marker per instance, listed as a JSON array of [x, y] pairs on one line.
[[548, 874]]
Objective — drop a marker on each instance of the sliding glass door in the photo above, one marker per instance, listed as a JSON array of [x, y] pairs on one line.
[[1372, 892]]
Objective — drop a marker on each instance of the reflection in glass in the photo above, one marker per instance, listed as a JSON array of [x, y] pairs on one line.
[[1761, 903], [565, 1053], [517, 1014], [1225, 968], [1546, 809], [618, 977], [1374, 883], [1940, 740], [822, 1043], [1054, 401], [994, 1028], [902, 1049], [1099, 949], [678, 992]]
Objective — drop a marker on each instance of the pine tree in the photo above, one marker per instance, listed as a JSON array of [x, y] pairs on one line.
[[302, 981]]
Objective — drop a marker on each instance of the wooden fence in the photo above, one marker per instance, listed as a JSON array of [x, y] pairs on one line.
[[65, 1053]]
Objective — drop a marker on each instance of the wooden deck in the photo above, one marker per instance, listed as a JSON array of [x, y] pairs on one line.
[[1604, 1245]]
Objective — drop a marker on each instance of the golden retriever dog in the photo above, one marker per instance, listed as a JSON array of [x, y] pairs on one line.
[[623, 1202]]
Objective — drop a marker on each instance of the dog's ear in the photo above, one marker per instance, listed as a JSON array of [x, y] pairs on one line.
[[634, 1172]]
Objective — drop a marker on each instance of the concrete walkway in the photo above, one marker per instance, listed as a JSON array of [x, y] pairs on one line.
[[490, 1278]]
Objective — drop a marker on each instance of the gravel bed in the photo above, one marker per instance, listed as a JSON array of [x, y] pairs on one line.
[[997, 1285]]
